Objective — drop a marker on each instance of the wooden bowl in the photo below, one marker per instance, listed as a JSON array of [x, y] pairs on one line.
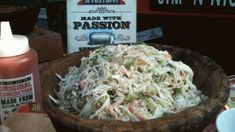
[[209, 78]]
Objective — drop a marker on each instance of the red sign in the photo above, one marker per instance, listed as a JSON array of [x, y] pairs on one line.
[[211, 8]]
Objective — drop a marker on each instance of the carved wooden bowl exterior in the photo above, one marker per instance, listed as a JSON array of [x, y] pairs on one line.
[[209, 78]]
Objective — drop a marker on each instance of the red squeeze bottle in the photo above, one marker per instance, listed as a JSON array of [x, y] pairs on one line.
[[19, 74]]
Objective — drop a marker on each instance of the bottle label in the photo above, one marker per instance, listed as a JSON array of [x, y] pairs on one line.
[[15, 92]]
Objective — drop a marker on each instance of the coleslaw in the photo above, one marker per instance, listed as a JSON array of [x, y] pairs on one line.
[[127, 83]]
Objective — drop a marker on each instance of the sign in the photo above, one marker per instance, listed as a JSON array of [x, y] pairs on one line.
[[195, 7], [93, 23], [204, 26]]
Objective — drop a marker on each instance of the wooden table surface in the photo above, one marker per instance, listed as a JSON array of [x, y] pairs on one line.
[[28, 122], [40, 122]]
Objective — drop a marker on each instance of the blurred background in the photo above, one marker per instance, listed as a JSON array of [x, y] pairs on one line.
[[211, 36]]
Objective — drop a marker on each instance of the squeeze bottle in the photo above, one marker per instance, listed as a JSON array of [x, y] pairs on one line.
[[19, 74]]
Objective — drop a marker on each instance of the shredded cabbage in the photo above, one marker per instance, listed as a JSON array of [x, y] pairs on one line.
[[128, 83]]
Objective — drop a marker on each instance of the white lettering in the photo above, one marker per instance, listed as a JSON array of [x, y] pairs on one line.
[[167, 2], [232, 4], [160, 2], [176, 2], [172, 2], [225, 1], [218, 2], [200, 2]]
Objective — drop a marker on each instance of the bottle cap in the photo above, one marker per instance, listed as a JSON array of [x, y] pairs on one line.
[[12, 45]]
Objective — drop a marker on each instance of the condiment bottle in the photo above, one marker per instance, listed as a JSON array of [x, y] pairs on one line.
[[19, 74]]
